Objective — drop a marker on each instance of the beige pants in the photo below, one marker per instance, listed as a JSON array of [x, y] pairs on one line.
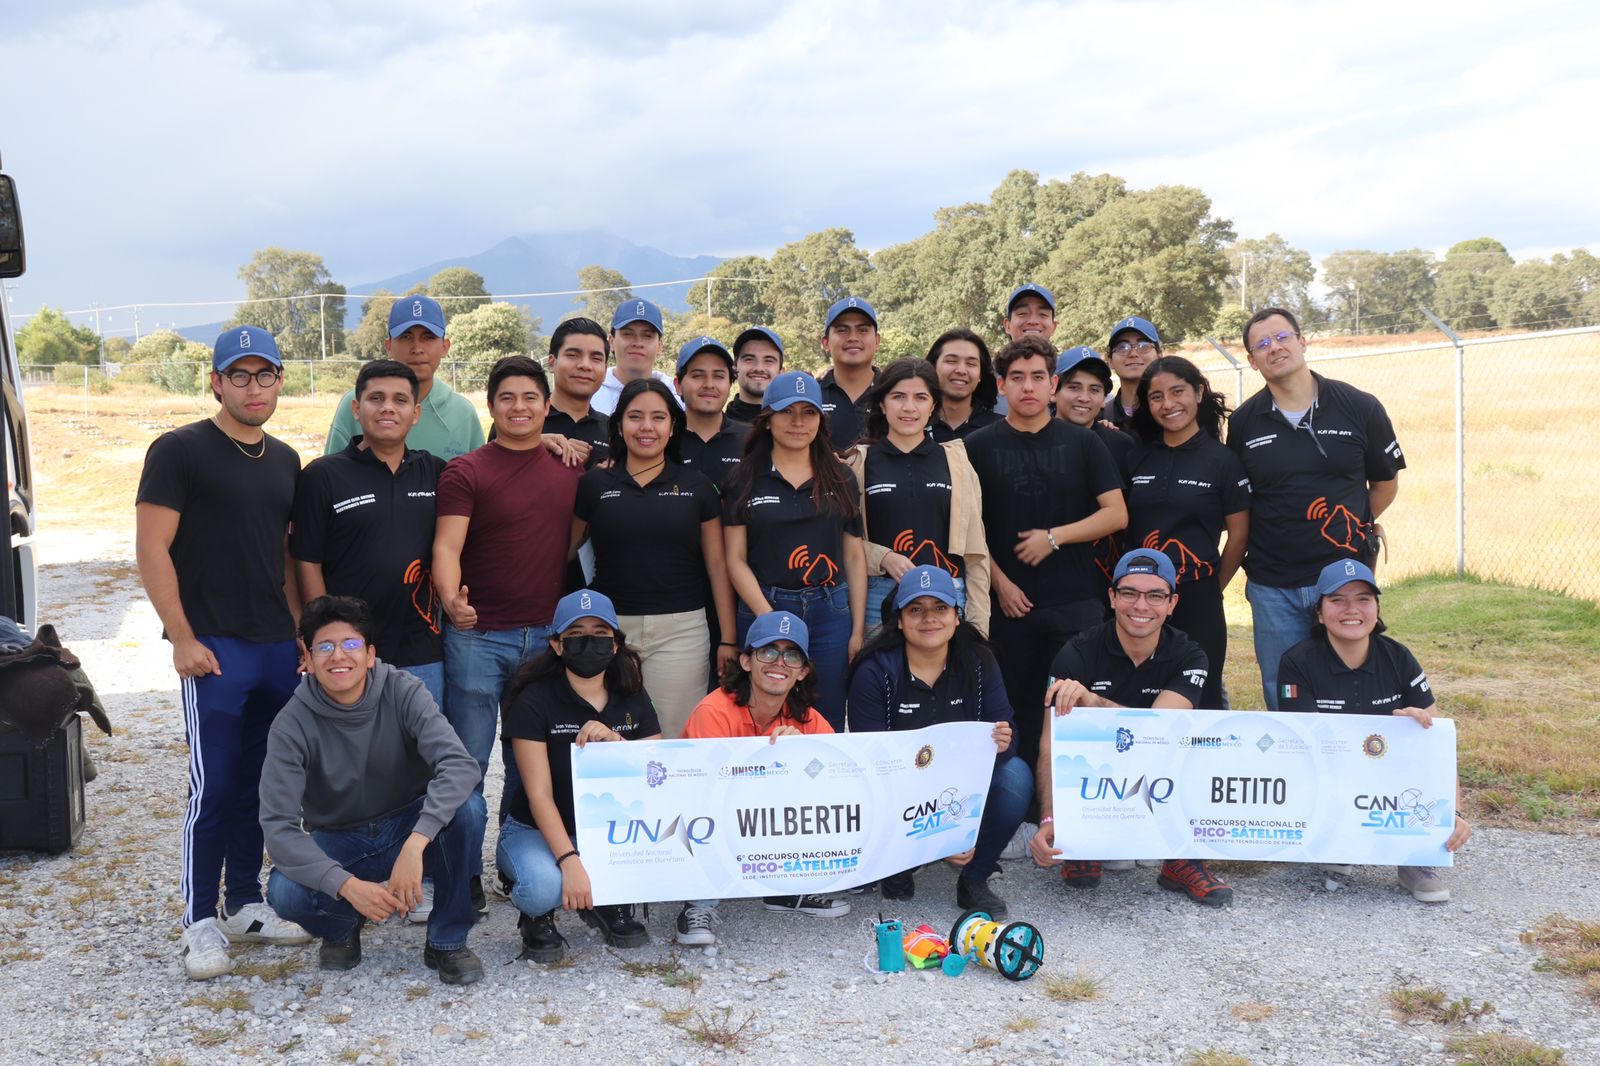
[[676, 652]]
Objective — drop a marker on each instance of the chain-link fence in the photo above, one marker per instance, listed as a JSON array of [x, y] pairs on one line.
[[1502, 477]]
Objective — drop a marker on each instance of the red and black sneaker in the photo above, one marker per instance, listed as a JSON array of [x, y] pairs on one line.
[[1084, 874], [1194, 879]]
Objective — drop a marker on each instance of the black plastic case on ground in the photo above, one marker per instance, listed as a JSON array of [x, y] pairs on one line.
[[41, 790]]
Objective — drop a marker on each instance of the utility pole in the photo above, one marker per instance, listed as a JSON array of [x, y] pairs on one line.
[[322, 320], [102, 336], [136, 323]]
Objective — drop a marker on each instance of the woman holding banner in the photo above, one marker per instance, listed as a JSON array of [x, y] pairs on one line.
[[929, 666], [586, 687], [1348, 666]]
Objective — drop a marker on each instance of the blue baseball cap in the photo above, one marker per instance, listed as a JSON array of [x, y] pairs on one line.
[[757, 333], [932, 581], [1032, 289], [631, 311], [241, 342], [779, 625], [700, 344], [1087, 358], [849, 303], [1339, 573], [411, 311], [585, 603], [1145, 561], [788, 389], [1141, 326]]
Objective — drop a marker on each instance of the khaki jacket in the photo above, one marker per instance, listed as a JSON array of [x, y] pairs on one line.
[[967, 538]]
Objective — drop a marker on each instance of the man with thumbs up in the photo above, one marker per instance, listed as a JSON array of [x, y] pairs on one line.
[[499, 555]]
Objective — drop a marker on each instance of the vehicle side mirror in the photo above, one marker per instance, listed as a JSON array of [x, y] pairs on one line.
[[11, 257]]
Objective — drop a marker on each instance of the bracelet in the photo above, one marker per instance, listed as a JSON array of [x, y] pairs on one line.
[[567, 856], [727, 644], [1047, 819], [1051, 537]]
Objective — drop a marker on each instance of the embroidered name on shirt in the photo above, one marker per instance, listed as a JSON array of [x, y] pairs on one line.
[[758, 501], [418, 494], [1256, 442], [610, 494], [354, 501]]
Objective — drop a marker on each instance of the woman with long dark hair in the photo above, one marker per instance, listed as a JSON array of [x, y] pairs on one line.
[[1185, 490], [920, 501], [927, 667], [967, 384], [792, 527], [586, 687], [656, 529]]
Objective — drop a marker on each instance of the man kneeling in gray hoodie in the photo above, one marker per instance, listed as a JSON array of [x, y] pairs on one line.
[[365, 787]]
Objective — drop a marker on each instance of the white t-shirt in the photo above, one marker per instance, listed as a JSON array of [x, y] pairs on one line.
[[610, 391]]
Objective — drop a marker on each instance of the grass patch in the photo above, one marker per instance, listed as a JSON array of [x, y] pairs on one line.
[[1082, 986], [1252, 1012], [1213, 1057], [1498, 1049], [1425, 1002], [416, 992], [670, 971], [724, 1029], [269, 970], [217, 1002], [1022, 1023], [217, 1037], [1569, 947], [550, 1018]]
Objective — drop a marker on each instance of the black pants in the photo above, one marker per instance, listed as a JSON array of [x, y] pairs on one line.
[[1199, 614], [1025, 648]]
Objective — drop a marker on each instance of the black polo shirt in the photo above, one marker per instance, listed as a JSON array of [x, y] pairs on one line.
[[1178, 498], [980, 417], [593, 428], [1119, 442], [1309, 501], [372, 531], [549, 712], [1095, 660], [1039, 481], [908, 502], [789, 543], [846, 419], [742, 411], [1312, 677], [715, 458], [1114, 413], [646, 538], [885, 695]]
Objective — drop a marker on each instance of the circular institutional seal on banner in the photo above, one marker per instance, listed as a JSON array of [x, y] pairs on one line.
[[924, 756], [1375, 747]]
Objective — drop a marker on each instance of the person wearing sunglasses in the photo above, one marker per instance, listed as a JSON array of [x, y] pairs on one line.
[[365, 787], [766, 692], [1134, 660], [1134, 343], [1324, 464]]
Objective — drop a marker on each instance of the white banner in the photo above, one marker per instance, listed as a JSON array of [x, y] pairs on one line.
[[719, 819], [1331, 788]]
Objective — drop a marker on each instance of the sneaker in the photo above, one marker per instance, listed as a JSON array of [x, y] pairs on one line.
[[341, 954], [617, 925], [1425, 883], [1194, 879], [204, 950], [819, 906], [1338, 869], [457, 966], [1117, 866], [1017, 846], [856, 890], [975, 895], [257, 923], [694, 925], [1084, 874], [1150, 864], [480, 902], [541, 941], [899, 886], [418, 915]]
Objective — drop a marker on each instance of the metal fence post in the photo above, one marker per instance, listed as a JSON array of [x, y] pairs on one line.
[[1461, 440], [311, 370], [86, 390], [1238, 371]]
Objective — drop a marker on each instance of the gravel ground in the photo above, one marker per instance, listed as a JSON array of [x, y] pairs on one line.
[[88, 944]]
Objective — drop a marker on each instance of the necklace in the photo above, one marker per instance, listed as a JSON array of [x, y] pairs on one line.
[[236, 444], [646, 470]]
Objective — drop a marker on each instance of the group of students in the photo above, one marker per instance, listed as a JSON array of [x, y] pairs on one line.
[[959, 537]]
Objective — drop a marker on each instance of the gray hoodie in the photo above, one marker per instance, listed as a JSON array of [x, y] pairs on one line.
[[329, 766]]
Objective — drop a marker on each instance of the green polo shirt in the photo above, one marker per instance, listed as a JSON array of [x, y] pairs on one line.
[[449, 425]]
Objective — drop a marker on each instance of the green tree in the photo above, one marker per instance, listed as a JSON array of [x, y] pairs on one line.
[[1268, 272], [49, 338], [1378, 292], [367, 341], [490, 332], [116, 349], [736, 300], [300, 325], [809, 274], [176, 364], [1530, 296], [1464, 284], [458, 291], [898, 343], [605, 289], [1580, 281]]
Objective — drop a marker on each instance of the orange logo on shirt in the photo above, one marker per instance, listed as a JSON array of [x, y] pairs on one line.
[[423, 598], [819, 571], [1340, 526], [1190, 566], [925, 554]]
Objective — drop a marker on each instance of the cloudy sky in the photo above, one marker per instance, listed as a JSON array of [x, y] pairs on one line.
[[158, 144]]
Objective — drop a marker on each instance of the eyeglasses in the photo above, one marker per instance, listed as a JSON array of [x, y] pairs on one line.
[[323, 649], [1281, 337], [1132, 596], [793, 658], [1133, 346], [241, 378]]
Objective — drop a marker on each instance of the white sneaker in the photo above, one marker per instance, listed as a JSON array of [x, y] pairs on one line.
[[1117, 866], [258, 923], [1017, 847], [694, 925], [419, 914], [1338, 869], [1425, 883], [204, 949]]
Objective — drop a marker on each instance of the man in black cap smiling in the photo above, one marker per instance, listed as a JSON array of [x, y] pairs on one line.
[[757, 359]]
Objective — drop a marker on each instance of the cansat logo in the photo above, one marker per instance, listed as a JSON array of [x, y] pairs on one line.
[[926, 553], [818, 571], [420, 580], [1190, 566], [1340, 526]]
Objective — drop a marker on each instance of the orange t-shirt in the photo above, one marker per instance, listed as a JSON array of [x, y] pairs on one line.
[[718, 716]]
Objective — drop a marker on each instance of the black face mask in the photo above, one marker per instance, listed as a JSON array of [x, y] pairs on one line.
[[588, 656]]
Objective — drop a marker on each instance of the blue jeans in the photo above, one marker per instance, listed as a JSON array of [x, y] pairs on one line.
[[477, 668], [826, 612], [527, 859], [1010, 792], [1282, 618], [432, 677], [368, 852], [880, 586]]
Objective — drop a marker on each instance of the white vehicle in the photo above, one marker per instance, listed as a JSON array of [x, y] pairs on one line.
[[18, 583]]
